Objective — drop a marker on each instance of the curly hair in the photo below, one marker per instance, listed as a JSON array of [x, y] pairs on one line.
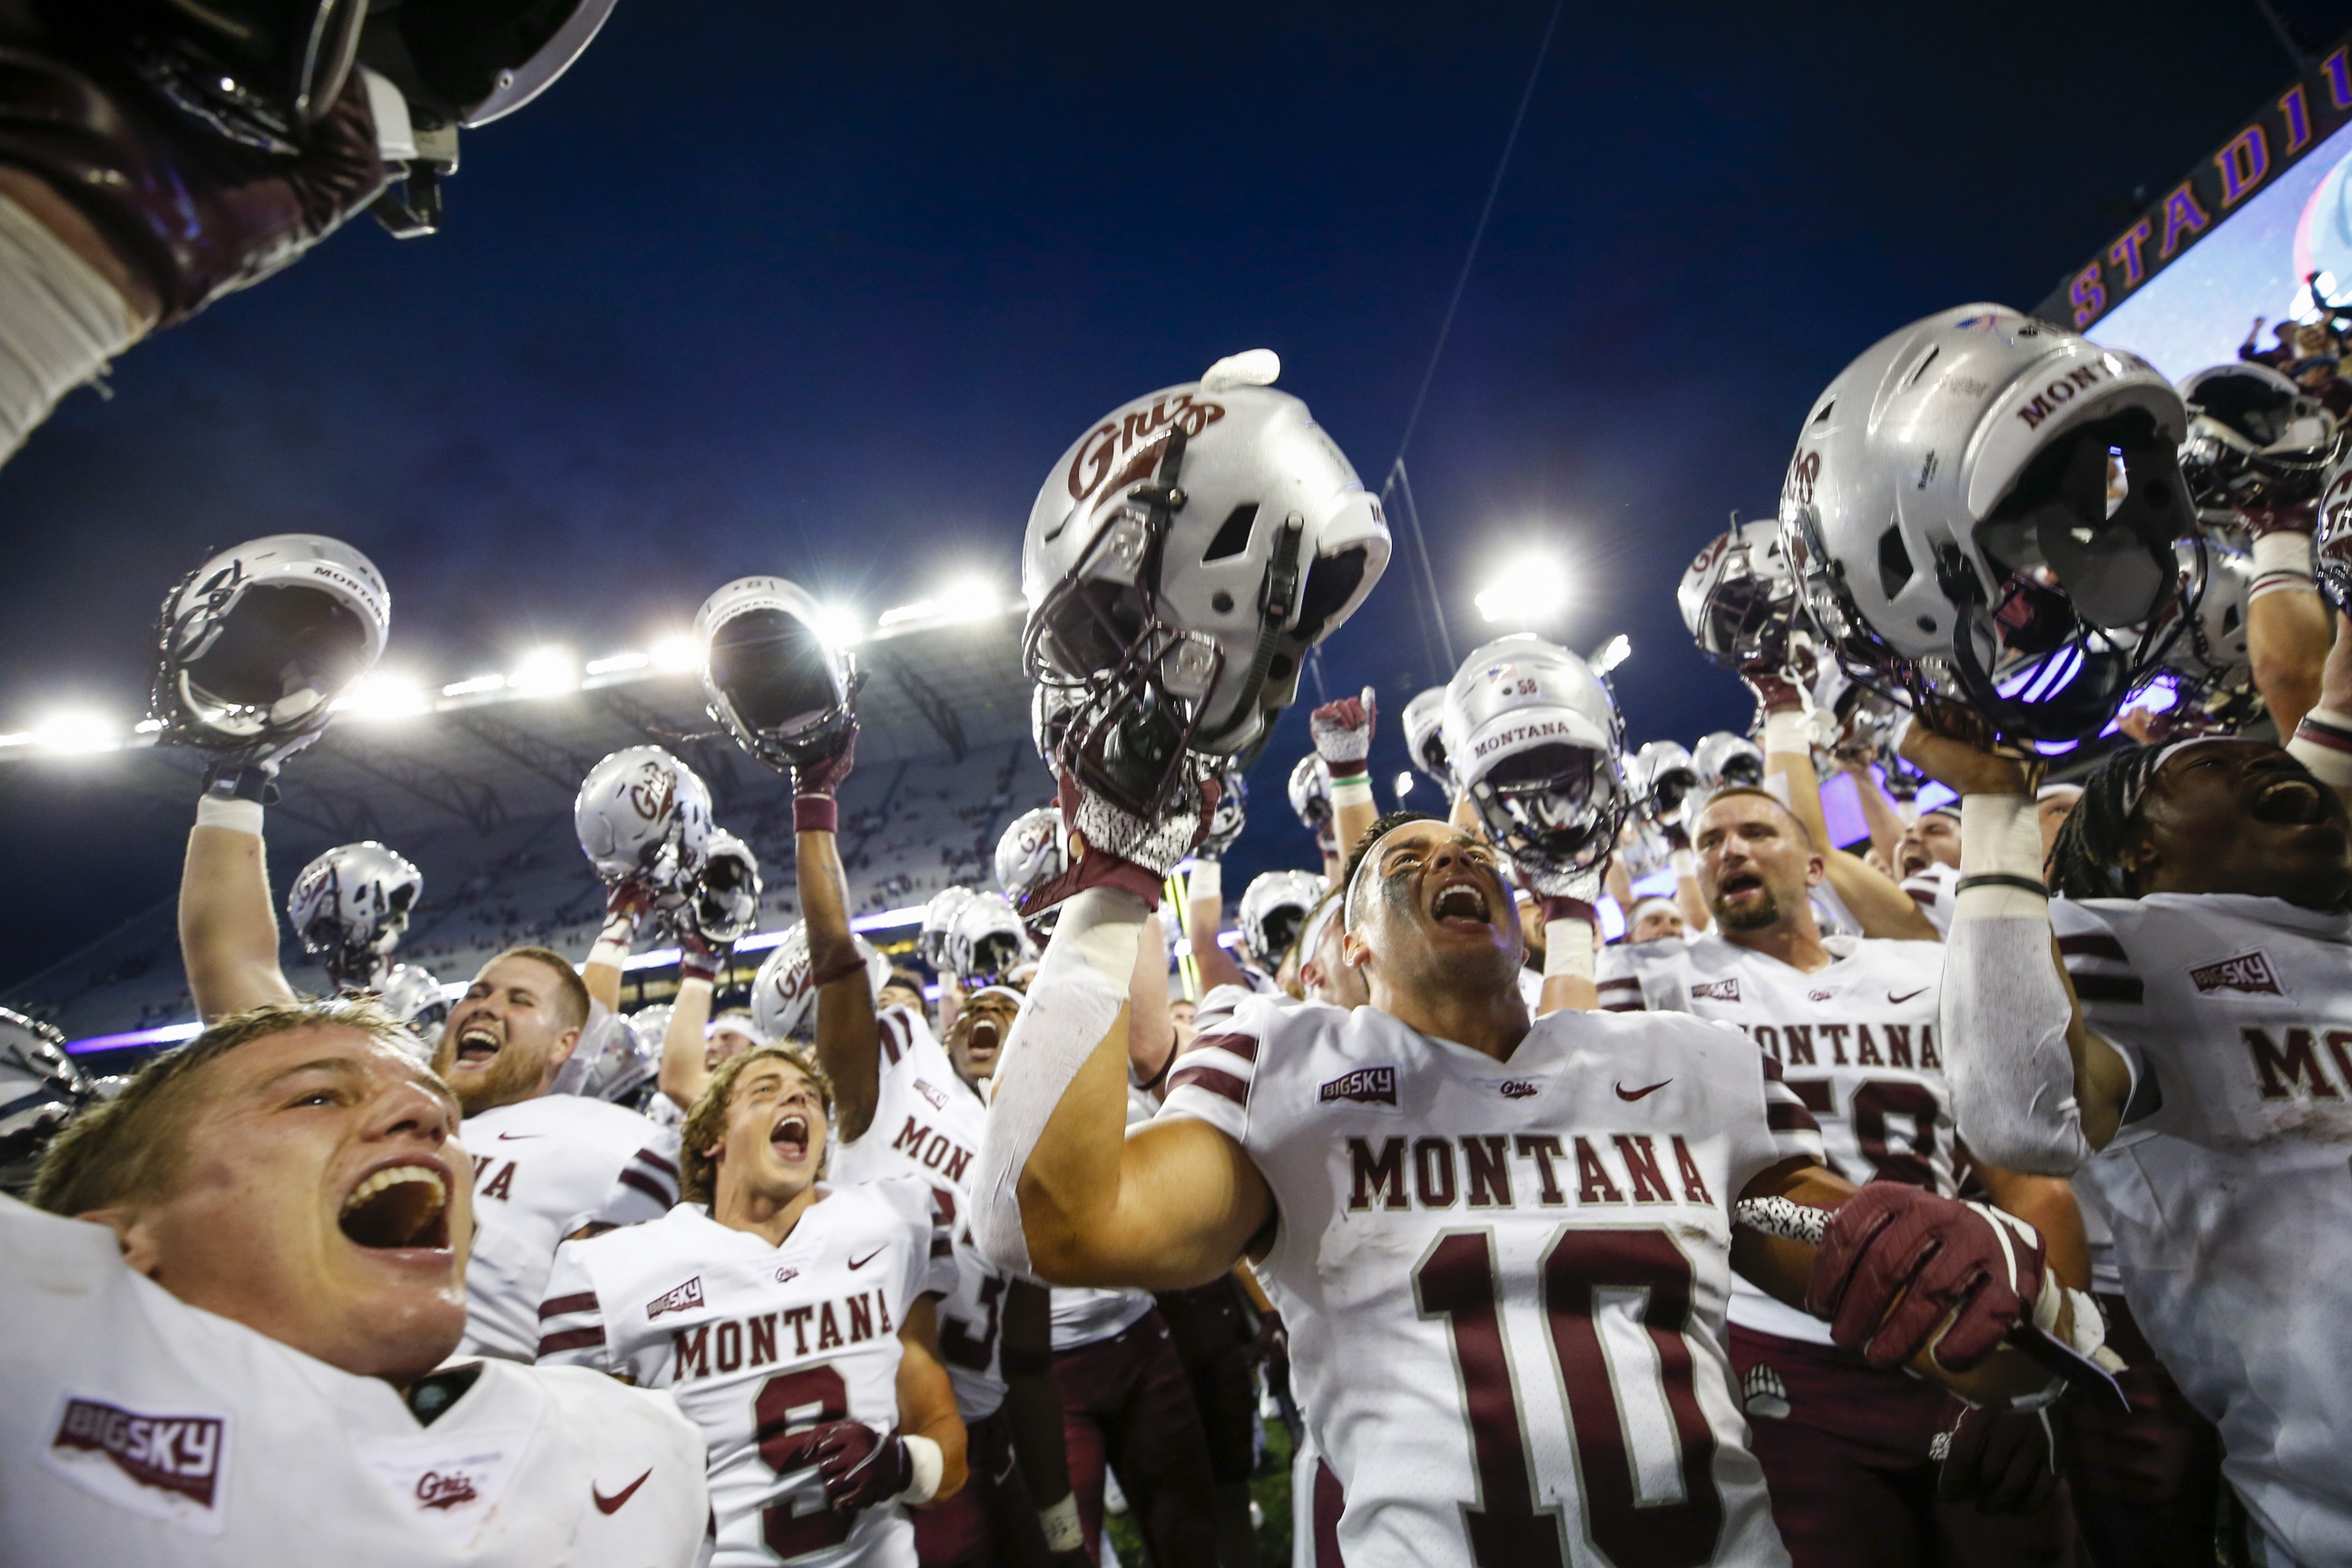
[[705, 1122]]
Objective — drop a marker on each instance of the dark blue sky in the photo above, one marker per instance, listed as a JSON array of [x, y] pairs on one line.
[[824, 290]]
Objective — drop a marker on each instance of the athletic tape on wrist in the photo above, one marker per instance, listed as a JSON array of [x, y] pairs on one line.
[[1063, 1531], [1354, 790], [1207, 881], [1568, 948], [227, 811], [609, 951], [2001, 860], [2322, 743], [1082, 982], [2284, 551], [1785, 730], [816, 814], [60, 322], [929, 1466]]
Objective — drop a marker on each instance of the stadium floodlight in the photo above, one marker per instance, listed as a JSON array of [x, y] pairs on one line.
[[378, 695], [1611, 654], [76, 730], [1528, 591], [840, 626], [614, 663], [544, 671], [678, 652], [473, 685], [1404, 781], [147, 727], [973, 599]]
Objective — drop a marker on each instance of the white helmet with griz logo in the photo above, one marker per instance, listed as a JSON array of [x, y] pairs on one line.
[[348, 907], [1661, 779], [1273, 910], [1181, 559], [1534, 737], [641, 813], [1424, 734], [1738, 598], [722, 899], [987, 942], [783, 994], [939, 918]]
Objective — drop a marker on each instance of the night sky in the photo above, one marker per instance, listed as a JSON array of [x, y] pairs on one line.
[[826, 290]]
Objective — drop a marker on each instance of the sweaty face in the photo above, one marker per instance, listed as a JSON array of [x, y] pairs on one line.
[[506, 1037], [2242, 817], [1430, 908], [977, 1038], [1933, 840], [774, 1143], [1754, 865], [321, 1199]]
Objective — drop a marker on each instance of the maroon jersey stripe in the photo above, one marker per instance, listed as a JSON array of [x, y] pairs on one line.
[[649, 1186], [665, 1166], [1242, 1046], [570, 1340], [585, 1302], [1216, 1082]]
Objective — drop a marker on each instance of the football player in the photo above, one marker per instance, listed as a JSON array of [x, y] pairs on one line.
[[2183, 1057], [1655, 920], [234, 1327], [1401, 1175], [545, 1164], [793, 1321]]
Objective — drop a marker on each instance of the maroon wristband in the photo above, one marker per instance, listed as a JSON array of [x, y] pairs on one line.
[[816, 814], [1554, 908]]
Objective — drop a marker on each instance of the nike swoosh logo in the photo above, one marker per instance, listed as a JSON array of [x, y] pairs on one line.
[[1624, 1093], [862, 1262], [612, 1504], [516, 1137], [1906, 995]]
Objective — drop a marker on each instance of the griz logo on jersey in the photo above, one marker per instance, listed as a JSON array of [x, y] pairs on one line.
[[1613, 1168], [435, 1490], [1801, 1045], [828, 1325], [2296, 1070], [932, 1150]]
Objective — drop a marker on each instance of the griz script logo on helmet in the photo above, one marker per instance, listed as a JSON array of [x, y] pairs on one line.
[[651, 795], [1801, 475], [1090, 469], [1541, 730]]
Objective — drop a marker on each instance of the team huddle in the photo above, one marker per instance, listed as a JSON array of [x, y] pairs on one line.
[[1610, 1169]]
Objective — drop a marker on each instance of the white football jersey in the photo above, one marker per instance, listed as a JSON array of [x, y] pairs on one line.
[[927, 1123], [2227, 1189], [542, 1169], [1934, 891], [1856, 1041], [135, 1429], [758, 1344], [1505, 1280]]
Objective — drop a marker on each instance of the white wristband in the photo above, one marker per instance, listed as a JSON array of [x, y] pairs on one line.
[[1346, 793], [1207, 881], [1788, 731], [227, 811], [2281, 561], [1064, 1532], [2327, 764], [930, 1466], [608, 951], [1567, 949], [2000, 837]]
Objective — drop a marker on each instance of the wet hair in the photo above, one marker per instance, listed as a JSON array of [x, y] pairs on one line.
[[705, 1122], [572, 989], [1386, 824]]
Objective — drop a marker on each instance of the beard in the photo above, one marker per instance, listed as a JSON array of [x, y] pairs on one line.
[[514, 1074], [1756, 913]]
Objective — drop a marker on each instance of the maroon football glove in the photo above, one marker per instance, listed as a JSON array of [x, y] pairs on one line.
[[2003, 1461], [699, 958], [815, 784], [861, 1467], [1896, 1260], [194, 214], [1343, 732], [1112, 848]]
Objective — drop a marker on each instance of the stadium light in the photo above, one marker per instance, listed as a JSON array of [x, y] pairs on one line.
[[379, 696], [544, 671], [972, 599], [1611, 654], [612, 664], [474, 684], [1404, 784], [678, 652], [840, 626], [1530, 590], [75, 731]]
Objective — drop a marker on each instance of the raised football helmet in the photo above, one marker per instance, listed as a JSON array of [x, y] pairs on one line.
[[2258, 444], [722, 897], [1533, 737], [622, 1058], [348, 907], [939, 918], [1274, 909], [415, 997], [2210, 661], [771, 678], [1986, 505], [1310, 795], [784, 999], [987, 942], [642, 813], [1181, 559], [1424, 734], [469, 65], [1662, 779], [256, 645], [1229, 816], [41, 1089], [1032, 850], [1722, 759], [1738, 598]]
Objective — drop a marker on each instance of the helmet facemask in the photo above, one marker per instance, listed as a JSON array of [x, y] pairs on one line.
[[244, 662], [778, 689], [2256, 443], [1554, 809]]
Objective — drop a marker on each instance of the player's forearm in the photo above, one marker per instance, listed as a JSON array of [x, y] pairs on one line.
[[1788, 752], [825, 901], [1349, 823], [1204, 913], [603, 983], [927, 1402], [848, 1042], [1150, 1026], [686, 1051], [1875, 899], [2049, 1205], [229, 930], [2286, 628], [1877, 812]]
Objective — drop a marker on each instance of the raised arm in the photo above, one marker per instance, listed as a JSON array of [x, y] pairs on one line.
[[1204, 912], [848, 1038], [2323, 742], [1874, 898], [2286, 624], [2033, 1088], [686, 1043], [927, 1402], [1885, 822], [1150, 1026], [1343, 739], [228, 926]]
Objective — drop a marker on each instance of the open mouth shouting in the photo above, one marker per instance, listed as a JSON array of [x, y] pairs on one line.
[[1462, 905], [402, 1206], [790, 1138], [479, 1041], [1739, 884], [2289, 800]]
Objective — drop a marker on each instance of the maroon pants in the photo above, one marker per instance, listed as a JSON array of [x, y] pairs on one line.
[[2145, 1485], [1851, 1484], [1126, 1405], [992, 1519], [1213, 1335]]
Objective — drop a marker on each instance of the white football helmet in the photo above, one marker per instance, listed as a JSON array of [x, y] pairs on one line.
[[1182, 558], [1032, 852], [259, 642], [939, 918], [1533, 736], [2210, 660], [41, 1089], [785, 692], [1662, 779], [987, 942], [348, 907], [415, 997], [1986, 505], [622, 1058], [2257, 443], [1273, 910], [643, 813], [1229, 817], [722, 899], [783, 1000], [1424, 734], [1310, 794], [1723, 760], [1738, 598]]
